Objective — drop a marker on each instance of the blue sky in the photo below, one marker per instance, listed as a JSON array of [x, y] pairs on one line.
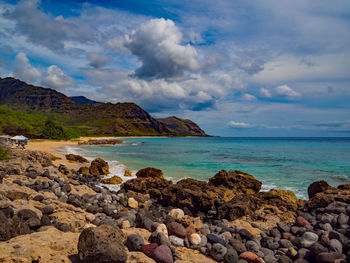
[[237, 68]]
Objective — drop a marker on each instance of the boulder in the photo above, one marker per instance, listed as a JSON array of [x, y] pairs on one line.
[[99, 167], [162, 254], [101, 244], [76, 158], [134, 242], [113, 180], [317, 187], [237, 181], [150, 172]]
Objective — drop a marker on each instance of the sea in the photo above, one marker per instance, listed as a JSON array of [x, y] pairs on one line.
[[283, 163]]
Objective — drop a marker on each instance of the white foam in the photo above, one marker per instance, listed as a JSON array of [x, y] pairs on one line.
[[116, 168]]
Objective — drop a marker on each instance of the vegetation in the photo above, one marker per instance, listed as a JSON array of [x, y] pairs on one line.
[[4, 154], [55, 130]]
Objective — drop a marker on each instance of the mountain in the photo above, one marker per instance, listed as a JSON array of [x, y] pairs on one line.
[[181, 127], [84, 101], [89, 117]]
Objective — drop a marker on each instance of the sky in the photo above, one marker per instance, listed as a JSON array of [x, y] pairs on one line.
[[235, 67]]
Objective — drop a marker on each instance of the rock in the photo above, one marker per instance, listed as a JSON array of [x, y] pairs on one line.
[[100, 142], [215, 239], [195, 239], [249, 257], [134, 242], [125, 224], [244, 233], [176, 241], [285, 259], [127, 173], [317, 248], [99, 167], [308, 238], [252, 246], [148, 249], [84, 170], [150, 172], [50, 245], [336, 208], [30, 218], [301, 221], [218, 251], [231, 256], [176, 213], [113, 180], [162, 254], [238, 245], [159, 238], [237, 181], [326, 257], [47, 210], [162, 229], [343, 219], [285, 243], [76, 158], [176, 229], [335, 246], [317, 187], [38, 198], [101, 244], [133, 203]]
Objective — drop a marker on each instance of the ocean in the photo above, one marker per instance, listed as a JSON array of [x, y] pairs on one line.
[[284, 163]]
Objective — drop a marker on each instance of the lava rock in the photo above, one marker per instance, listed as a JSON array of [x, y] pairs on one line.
[[134, 242], [162, 254]]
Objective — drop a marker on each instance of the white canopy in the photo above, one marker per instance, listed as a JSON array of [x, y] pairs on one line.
[[19, 138]]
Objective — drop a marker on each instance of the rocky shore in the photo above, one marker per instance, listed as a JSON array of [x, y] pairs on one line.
[[52, 213]]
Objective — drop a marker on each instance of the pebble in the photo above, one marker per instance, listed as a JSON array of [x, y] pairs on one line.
[[215, 239], [176, 229], [335, 246], [148, 249], [48, 210], [163, 229], [244, 233], [231, 256], [308, 238], [252, 246], [176, 241], [249, 257], [176, 213], [218, 251], [162, 254], [134, 242], [238, 245], [195, 239], [125, 224], [301, 221], [132, 203]]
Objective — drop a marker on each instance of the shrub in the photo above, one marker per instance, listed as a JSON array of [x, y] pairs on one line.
[[4, 154], [54, 130]]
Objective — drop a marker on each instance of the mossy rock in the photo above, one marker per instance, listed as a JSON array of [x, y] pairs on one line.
[[113, 180], [127, 173], [84, 170]]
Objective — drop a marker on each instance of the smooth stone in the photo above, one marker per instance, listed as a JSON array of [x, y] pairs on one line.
[[252, 246], [284, 259], [275, 233], [134, 242], [176, 213], [159, 238], [330, 257], [327, 227], [301, 221], [125, 224], [318, 248], [163, 229], [244, 233], [249, 257], [176, 241], [132, 203], [48, 209], [335, 246], [308, 238], [148, 249], [162, 254], [215, 239], [176, 229], [343, 219], [285, 243], [195, 239], [231, 256], [218, 251], [238, 245]]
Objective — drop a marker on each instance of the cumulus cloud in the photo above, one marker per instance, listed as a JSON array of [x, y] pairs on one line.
[[24, 70], [45, 29], [97, 60], [265, 93], [248, 97], [241, 125], [157, 44], [287, 92], [56, 79]]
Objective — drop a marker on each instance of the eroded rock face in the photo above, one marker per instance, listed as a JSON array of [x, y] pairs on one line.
[[327, 194], [76, 158], [101, 244], [318, 187]]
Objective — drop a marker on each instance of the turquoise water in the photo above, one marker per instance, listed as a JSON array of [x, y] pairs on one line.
[[286, 163]]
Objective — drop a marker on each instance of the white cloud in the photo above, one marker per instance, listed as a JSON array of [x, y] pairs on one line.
[[287, 92], [56, 79], [248, 97], [157, 44], [236, 124], [24, 70], [265, 93], [97, 60]]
